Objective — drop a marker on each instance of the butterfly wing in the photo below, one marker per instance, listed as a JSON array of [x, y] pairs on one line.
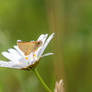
[[26, 47]]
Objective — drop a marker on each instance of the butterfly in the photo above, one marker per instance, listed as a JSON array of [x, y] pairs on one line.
[[28, 47]]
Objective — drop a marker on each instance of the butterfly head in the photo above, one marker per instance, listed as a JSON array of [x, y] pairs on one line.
[[39, 43]]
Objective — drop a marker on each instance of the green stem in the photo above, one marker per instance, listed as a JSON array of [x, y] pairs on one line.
[[41, 80]]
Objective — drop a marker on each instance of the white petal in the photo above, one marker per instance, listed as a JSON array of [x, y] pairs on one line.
[[46, 43], [43, 41], [14, 53], [18, 40], [7, 64], [47, 54], [30, 57], [7, 55], [12, 64], [10, 56], [48, 40], [41, 37]]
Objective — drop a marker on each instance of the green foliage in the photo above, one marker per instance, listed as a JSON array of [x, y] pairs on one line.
[[71, 20]]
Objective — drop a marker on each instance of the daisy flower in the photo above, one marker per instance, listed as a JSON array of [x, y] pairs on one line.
[[59, 86], [18, 60]]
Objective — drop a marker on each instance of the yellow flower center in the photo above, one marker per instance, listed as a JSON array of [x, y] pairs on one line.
[[26, 58], [33, 56]]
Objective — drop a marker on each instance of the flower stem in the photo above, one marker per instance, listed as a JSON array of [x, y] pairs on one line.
[[41, 80]]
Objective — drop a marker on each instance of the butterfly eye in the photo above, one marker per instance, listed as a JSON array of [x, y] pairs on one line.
[[39, 43]]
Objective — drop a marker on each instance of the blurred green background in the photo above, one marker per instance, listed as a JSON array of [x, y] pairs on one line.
[[71, 20]]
